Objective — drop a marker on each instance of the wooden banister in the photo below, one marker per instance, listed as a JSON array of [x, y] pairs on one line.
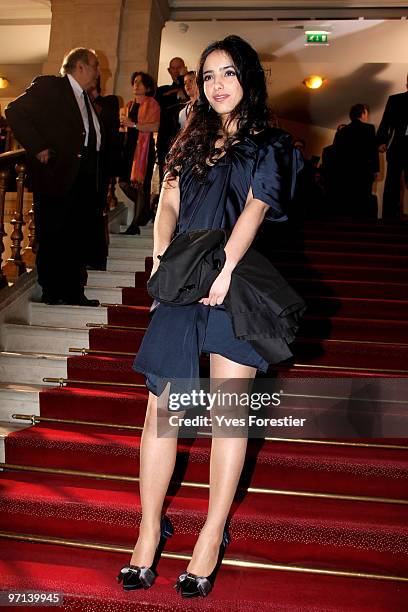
[[10, 156], [15, 265], [4, 176]]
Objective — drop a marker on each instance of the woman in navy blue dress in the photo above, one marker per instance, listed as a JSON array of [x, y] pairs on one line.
[[227, 169]]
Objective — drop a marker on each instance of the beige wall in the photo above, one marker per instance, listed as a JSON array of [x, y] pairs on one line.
[[79, 23], [366, 61], [139, 41], [20, 76]]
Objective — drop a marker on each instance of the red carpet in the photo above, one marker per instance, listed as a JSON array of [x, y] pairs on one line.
[[355, 280], [86, 579]]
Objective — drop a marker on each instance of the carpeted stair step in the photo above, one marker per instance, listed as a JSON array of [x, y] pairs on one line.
[[351, 225], [351, 289], [88, 580], [135, 316], [118, 368], [364, 355], [279, 465], [271, 529], [122, 407], [357, 307], [348, 289], [115, 339], [110, 369], [379, 308], [337, 270], [307, 350], [338, 244], [357, 235], [349, 328]]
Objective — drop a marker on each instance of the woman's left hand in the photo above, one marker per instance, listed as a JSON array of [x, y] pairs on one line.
[[218, 291], [126, 122]]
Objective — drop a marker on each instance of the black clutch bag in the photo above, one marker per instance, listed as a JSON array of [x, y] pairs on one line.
[[188, 267]]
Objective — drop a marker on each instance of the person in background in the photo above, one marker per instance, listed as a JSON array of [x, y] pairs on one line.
[[308, 201], [300, 145], [392, 136], [107, 108], [56, 123], [3, 133], [328, 172], [171, 99], [191, 89], [356, 165], [140, 118]]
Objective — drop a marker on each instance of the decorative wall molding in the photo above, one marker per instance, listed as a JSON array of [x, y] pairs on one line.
[[233, 10]]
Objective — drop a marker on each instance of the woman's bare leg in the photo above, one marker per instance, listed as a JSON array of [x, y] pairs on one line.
[[227, 459], [157, 460]]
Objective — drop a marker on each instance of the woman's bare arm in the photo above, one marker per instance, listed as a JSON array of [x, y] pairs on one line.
[[238, 243], [244, 231], [153, 126], [166, 218]]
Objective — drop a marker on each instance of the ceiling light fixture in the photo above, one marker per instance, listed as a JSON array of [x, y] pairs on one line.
[[3, 82], [314, 81]]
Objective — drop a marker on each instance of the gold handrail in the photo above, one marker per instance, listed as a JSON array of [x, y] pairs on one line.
[[205, 485], [35, 419], [184, 557], [10, 156]]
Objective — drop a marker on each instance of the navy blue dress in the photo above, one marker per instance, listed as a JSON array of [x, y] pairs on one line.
[[177, 335]]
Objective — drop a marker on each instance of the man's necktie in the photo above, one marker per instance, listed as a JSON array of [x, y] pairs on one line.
[[92, 131]]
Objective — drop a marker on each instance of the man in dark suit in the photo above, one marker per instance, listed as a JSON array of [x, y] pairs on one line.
[[55, 121], [171, 99], [392, 136], [355, 164], [107, 108]]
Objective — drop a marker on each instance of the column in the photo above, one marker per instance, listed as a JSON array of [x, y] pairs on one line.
[[126, 35]]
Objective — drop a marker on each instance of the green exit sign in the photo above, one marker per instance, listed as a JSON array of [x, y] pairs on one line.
[[317, 38]]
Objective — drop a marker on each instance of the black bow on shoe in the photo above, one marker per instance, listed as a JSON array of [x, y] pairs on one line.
[[135, 577], [189, 585]]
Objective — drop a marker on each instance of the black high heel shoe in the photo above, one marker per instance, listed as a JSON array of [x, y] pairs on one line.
[[135, 577], [132, 230], [190, 585]]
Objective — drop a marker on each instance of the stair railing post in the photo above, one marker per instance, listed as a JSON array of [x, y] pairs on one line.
[[9, 139], [4, 176], [30, 250], [15, 265]]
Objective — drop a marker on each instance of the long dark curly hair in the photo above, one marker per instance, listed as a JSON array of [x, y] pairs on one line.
[[195, 144]]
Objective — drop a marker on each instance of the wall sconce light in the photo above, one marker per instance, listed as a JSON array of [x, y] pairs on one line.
[[3, 82], [314, 81]]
